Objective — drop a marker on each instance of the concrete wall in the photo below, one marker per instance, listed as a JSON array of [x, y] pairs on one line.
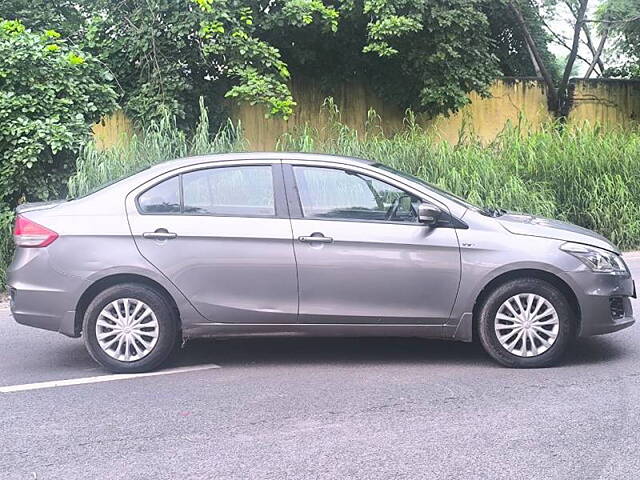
[[113, 129], [610, 103], [511, 100]]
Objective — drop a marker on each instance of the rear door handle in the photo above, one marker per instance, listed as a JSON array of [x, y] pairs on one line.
[[316, 237], [160, 234]]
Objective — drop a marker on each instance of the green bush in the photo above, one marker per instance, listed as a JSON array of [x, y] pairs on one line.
[[50, 95], [6, 245]]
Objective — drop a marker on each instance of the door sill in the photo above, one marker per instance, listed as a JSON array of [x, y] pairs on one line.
[[315, 329]]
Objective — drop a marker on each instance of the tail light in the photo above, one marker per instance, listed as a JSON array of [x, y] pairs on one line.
[[30, 234]]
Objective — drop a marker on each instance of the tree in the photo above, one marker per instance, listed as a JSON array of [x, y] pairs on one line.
[[558, 97], [621, 20], [510, 46], [50, 95], [422, 55], [165, 54], [66, 16]]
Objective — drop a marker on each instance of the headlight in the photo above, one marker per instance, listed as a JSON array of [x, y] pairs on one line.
[[597, 259]]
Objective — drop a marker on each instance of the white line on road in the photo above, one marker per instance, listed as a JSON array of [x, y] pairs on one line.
[[101, 378]]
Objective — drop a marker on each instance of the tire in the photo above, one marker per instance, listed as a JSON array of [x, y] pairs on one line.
[[152, 340], [530, 351]]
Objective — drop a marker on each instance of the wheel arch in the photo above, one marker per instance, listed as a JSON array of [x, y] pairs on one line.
[[114, 279], [505, 277]]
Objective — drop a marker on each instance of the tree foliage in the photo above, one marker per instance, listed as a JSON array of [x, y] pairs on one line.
[[67, 17], [50, 95], [510, 46], [165, 54], [422, 55], [622, 19]]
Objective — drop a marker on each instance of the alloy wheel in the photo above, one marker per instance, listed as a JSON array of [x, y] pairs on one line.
[[527, 325], [127, 329]]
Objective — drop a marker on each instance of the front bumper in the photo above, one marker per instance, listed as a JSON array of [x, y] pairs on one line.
[[604, 301]]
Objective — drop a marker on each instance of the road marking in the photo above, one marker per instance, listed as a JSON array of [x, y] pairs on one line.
[[101, 378]]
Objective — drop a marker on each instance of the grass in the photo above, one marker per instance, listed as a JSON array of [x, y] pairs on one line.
[[585, 175], [159, 141]]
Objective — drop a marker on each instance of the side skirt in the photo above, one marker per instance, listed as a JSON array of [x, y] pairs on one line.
[[313, 329]]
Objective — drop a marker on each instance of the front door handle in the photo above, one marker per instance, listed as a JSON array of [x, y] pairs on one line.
[[160, 234], [316, 237]]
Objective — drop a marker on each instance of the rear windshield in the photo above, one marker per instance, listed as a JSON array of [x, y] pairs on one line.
[[108, 183]]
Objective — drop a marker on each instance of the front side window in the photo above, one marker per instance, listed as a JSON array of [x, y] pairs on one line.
[[338, 194], [241, 191]]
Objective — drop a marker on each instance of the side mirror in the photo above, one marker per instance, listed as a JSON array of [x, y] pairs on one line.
[[428, 213]]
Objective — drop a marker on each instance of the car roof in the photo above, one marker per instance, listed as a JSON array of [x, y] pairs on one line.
[[194, 160]]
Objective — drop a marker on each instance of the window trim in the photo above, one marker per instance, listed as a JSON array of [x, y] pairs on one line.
[[279, 201]]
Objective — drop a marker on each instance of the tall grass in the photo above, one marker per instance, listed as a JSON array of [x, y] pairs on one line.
[[583, 175], [157, 142], [580, 174]]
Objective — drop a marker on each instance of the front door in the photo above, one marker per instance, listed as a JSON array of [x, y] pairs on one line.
[[362, 255], [222, 236]]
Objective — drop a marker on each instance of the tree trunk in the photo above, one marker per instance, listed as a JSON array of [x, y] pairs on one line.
[[563, 97], [536, 67], [597, 55], [552, 96]]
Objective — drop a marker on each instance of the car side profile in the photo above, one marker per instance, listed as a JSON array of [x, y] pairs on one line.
[[270, 243]]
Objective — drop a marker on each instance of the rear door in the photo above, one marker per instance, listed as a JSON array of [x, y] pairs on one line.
[[221, 234], [362, 255]]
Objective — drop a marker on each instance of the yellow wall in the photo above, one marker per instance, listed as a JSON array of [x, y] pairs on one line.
[[112, 129], [484, 117], [511, 101], [610, 103]]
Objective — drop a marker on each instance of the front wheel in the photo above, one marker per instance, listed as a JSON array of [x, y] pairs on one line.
[[526, 323], [129, 328]]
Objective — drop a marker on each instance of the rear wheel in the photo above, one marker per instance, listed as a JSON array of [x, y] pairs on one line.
[[526, 323], [129, 328]]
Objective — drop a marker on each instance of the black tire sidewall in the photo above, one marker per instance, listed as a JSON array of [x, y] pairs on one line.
[[497, 297], [166, 321]]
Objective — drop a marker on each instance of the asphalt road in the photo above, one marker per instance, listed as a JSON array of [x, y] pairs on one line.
[[281, 408]]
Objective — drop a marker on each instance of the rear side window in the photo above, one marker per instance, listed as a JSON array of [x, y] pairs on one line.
[[161, 198], [240, 191], [227, 191]]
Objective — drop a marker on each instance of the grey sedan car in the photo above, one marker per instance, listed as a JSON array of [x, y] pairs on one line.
[[275, 243]]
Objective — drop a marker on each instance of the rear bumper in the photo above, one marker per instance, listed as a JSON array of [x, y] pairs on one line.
[[19, 302], [40, 296]]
